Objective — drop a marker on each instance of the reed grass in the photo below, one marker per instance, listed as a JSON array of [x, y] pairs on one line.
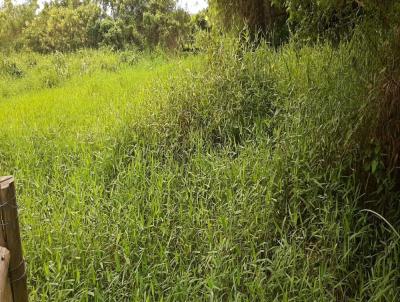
[[222, 177]]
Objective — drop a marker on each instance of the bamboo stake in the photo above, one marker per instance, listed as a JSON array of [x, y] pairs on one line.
[[12, 237]]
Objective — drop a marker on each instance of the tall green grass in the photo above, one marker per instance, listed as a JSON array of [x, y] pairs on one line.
[[224, 177], [26, 71]]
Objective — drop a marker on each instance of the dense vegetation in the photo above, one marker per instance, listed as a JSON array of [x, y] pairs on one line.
[[263, 168], [71, 24]]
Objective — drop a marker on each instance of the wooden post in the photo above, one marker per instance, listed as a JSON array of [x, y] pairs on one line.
[[12, 239], [5, 286]]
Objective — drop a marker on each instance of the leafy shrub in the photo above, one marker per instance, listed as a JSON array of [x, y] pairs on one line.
[[59, 28], [116, 34]]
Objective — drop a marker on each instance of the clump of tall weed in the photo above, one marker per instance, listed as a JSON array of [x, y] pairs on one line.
[[224, 103], [293, 117]]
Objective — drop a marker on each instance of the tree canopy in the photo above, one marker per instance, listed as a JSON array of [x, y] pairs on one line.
[[65, 25], [310, 19]]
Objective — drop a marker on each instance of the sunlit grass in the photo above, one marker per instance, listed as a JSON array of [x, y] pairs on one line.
[[221, 178]]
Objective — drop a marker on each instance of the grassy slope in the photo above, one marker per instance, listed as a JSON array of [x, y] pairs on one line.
[[208, 198], [59, 143]]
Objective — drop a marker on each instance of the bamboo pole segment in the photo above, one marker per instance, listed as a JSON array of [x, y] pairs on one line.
[[5, 287], [12, 238]]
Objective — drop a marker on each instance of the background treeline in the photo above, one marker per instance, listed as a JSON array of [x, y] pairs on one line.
[[68, 25], [72, 24]]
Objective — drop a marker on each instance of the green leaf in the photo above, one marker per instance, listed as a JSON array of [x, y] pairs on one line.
[[374, 166]]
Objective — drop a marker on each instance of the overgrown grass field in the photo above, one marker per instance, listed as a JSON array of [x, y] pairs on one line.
[[222, 177]]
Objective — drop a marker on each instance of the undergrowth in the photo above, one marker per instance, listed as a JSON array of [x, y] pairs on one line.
[[22, 72], [229, 176]]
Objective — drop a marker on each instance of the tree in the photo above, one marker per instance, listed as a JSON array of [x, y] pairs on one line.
[[158, 22], [117, 34], [63, 28], [164, 25], [309, 19], [260, 16], [14, 19], [67, 25]]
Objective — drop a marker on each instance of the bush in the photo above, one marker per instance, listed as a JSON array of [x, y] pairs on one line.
[[115, 33], [63, 29]]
